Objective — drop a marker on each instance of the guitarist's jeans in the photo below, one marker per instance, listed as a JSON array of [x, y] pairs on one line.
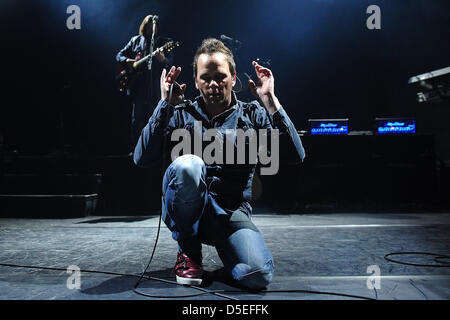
[[144, 101], [189, 213], [139, 117]]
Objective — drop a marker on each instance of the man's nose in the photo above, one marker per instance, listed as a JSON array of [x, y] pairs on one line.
[[213, 83]]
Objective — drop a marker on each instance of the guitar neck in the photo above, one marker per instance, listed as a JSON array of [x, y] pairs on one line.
[[149, 56]]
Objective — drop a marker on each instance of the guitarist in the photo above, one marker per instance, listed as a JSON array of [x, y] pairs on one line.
[[145, 91]]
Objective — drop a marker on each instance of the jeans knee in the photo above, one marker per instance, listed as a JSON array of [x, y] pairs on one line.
[[253, 278], [189, 168]]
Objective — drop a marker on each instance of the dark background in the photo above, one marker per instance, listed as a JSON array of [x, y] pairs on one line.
[[60, 90], [326, 62]]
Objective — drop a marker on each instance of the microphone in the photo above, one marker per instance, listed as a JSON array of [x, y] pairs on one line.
[[230, 40], [155, 18]]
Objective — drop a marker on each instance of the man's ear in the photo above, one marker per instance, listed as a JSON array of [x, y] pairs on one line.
[[196, 85], [234, 79]]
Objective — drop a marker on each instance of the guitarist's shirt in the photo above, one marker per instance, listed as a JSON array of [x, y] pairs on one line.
[[146, 85], [229, 185]]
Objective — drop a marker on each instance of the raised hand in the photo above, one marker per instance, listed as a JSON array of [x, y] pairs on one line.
[[168, 78], [265, 89]]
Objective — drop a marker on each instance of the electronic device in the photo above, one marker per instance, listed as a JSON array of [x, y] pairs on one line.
[[395, 125], [328, 126]]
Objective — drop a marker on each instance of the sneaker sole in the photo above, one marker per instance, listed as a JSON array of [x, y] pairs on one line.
[[189, 281]]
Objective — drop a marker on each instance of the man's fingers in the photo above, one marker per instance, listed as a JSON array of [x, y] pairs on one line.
[[264, 72], [252, 86], [183, 88], [258, 68], [176, 73], [163, 74], [261, 71], [179, 89], [173, 74], [169, 74]]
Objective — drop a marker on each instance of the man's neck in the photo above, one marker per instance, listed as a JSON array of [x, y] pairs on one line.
[[214, 110]]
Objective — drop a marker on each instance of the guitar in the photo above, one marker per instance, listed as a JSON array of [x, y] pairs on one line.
[[126, 76]]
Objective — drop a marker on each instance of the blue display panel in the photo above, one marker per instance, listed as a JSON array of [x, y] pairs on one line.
[[328, 126], [396, 126]]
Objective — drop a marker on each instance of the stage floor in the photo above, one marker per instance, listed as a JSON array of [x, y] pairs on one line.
[[327, 253]]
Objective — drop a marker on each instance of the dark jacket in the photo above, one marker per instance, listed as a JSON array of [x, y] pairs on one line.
[[230, 185]]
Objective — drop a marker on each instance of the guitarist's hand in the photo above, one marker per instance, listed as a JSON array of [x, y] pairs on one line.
[[178, 90], [160, 56], [130, 64]]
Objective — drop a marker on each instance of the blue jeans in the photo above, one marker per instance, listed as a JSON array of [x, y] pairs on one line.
[[188, 213], [140, 114]]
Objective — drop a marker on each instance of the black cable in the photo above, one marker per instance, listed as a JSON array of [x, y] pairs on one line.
[[164, 160], [204, 291], [168, 281], [437, 256], [437, 259], [302, 291], [216, 292], [166, 120], [199, 288]]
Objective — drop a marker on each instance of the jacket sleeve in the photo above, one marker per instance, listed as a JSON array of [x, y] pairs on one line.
[[125, 53], [290, 146], [150, 144]]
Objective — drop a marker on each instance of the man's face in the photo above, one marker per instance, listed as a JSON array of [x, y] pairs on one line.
[[214, 79], [149, 29]]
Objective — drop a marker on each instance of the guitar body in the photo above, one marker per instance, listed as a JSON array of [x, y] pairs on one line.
[[125, 78]]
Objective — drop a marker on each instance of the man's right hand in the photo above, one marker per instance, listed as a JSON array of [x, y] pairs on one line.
[[178, 90], [130, 64]]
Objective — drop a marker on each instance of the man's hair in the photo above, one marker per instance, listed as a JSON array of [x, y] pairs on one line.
[[144, 23], [210, 46]]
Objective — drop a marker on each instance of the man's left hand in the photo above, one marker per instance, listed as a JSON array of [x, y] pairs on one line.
[[160, 56], [265, 90]]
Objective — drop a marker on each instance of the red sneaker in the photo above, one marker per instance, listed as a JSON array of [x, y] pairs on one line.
[[188, 271]]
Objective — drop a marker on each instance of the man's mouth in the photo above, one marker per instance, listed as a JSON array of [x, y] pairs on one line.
[[214, 95]]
